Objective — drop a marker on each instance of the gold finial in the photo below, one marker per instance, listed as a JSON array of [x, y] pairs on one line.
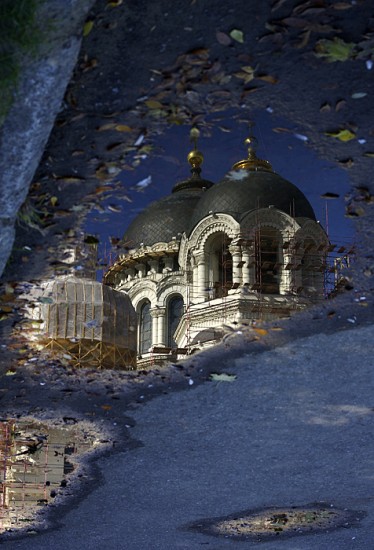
[[252, 162], [195, 157]]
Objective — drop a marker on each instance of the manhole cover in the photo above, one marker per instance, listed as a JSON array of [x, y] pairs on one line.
[[268, 523]]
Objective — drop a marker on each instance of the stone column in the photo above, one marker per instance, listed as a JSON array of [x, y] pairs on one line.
[[168, 261], [153, 265], [199, 281], [161, 326], [154, 315], [141, 270], [236, 254]]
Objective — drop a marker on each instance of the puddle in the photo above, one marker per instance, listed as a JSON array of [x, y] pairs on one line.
[[36, 461], [268, 523]]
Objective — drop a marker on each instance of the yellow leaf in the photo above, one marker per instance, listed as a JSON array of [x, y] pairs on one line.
[[122, 128], [237, 35], [153, 104], [115, 3], [87, 28], [108, 126], [54, 201], [260, 331], [343, 135]]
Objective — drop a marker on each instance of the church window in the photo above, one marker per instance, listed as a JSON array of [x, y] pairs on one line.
[[174, 315], [145, 328], [267, 246]]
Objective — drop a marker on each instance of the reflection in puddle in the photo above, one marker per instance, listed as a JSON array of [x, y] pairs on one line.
[[35, 460]]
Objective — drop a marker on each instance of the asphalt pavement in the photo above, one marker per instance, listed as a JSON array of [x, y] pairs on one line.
[[293, 428]]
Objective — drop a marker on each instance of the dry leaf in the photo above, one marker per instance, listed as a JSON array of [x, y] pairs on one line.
[[268, 78], [325, 108], [153, 104], [53, 201], [223, 38], [341, 6], [278, 4], [340, 105], [114, 3], [122, 128], [260, 331], [368, 154], [304, 40], [222, 377]]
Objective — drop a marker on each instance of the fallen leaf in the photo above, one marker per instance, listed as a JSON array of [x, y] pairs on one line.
[[87, 27], [341, 6], [222, 377], [278, 4], [237, 35], [260, 331], [53, 201], [114, 3], [325, 108], [340, 105], [330, 196], [305, 36], [152, 104], [122, 128], [334, 50], [369, 154], [106, 407], [268, 78], [343, 135], [358, 95], [223, 38]]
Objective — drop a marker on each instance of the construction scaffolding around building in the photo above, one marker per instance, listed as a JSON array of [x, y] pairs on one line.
[[87, 322]]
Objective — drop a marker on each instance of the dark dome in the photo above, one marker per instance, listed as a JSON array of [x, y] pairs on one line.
[[245, 190], [168, 217]]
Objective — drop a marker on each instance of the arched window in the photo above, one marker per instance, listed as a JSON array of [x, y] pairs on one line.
[[219, 263], [267, 249], [145, 328], [174, 315]]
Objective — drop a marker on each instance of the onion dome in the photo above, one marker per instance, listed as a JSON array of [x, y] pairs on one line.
[[250, 185], [169, 217]]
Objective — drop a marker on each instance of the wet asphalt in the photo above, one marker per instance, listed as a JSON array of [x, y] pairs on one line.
[[293, 428]]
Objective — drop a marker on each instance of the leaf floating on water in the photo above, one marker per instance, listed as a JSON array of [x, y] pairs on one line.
[[87, 27], [343, 135], [325, 108], [369, 154], [330, 196], [277, 4], [334, 50], [341, 6], [358, 95], [223, 38], [268, 78], [153, 104], [53, 201], [260, 331], [223, 377], [144, 183], [237, 35], [340, 105], [122, 128]]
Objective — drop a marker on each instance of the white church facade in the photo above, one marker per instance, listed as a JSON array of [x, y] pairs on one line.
[[245, 249]]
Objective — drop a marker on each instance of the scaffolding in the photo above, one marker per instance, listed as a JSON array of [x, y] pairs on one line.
[[87, 322]]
